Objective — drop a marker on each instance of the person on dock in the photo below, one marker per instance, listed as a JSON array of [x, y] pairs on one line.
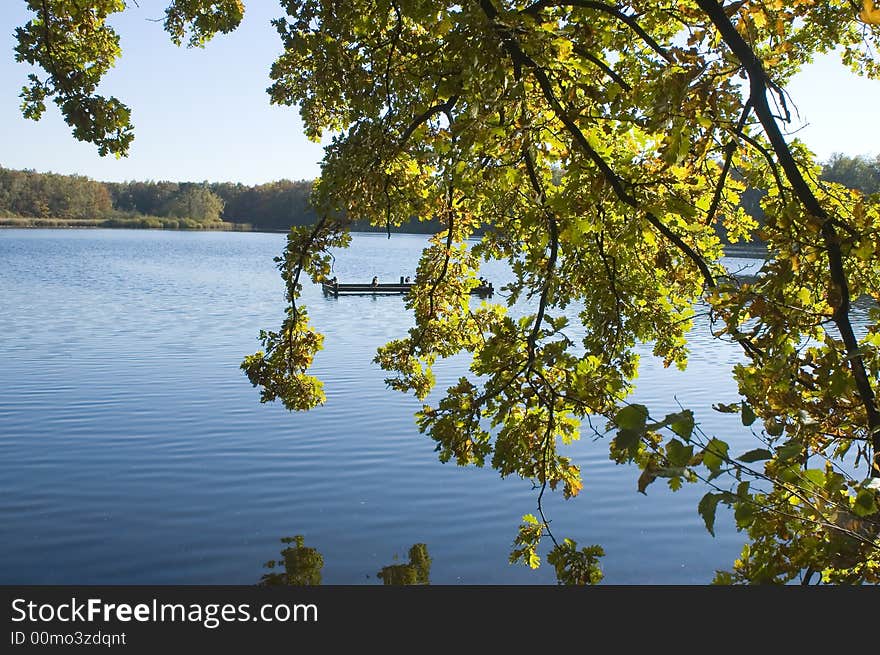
[[375, 281], [407, 280]]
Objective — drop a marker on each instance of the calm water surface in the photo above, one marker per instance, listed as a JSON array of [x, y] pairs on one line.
[[134, 451]]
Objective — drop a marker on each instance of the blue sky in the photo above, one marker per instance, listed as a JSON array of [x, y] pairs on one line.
[[203, 114]]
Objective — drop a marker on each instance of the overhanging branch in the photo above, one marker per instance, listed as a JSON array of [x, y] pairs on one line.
[[629, 20], [759, 84], [520, 58], [439, 108]]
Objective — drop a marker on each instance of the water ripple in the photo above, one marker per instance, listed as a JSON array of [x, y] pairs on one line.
[[133, 450]]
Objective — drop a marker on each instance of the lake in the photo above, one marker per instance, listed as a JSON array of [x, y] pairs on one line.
[[134, 451]]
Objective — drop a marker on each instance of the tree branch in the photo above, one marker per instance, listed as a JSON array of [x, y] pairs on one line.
[[294, 283], [518, 56], [586, 54], [442, 107], [554, 251], [759, 84], [731, 149], [608, 9], [774, 168]]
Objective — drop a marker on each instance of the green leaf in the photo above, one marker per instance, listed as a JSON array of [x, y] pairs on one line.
[[627, 440], [744, 513], [715, 454], [865, 503], [789, 474], [748, 415], [815, 476], [865, 251], [682, 423], [791, 450], [706, 508], [678, 454], [632, 417], [756, 455], [774, 427]]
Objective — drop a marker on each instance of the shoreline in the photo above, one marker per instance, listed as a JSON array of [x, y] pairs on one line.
[[730, 250], [146, 223]]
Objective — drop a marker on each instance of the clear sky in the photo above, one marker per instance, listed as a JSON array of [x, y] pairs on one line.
[[203, 114]]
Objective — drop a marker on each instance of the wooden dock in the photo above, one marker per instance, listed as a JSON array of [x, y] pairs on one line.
[[336, 289]]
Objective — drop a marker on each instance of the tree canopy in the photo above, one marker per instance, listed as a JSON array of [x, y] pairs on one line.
[[600, 145]]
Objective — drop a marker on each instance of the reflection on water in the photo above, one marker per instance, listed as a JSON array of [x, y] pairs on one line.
[[302, 566], [416, 571]]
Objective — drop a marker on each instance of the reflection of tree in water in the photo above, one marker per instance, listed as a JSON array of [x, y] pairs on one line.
[[302, 566], [416, 571]]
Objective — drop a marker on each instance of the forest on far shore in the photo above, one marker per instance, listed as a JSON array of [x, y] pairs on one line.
[[29, 198]]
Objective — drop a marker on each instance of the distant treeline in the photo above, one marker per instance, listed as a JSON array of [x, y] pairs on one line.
[[48, 197], [860, 172], [28, 194], [275, 206]]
